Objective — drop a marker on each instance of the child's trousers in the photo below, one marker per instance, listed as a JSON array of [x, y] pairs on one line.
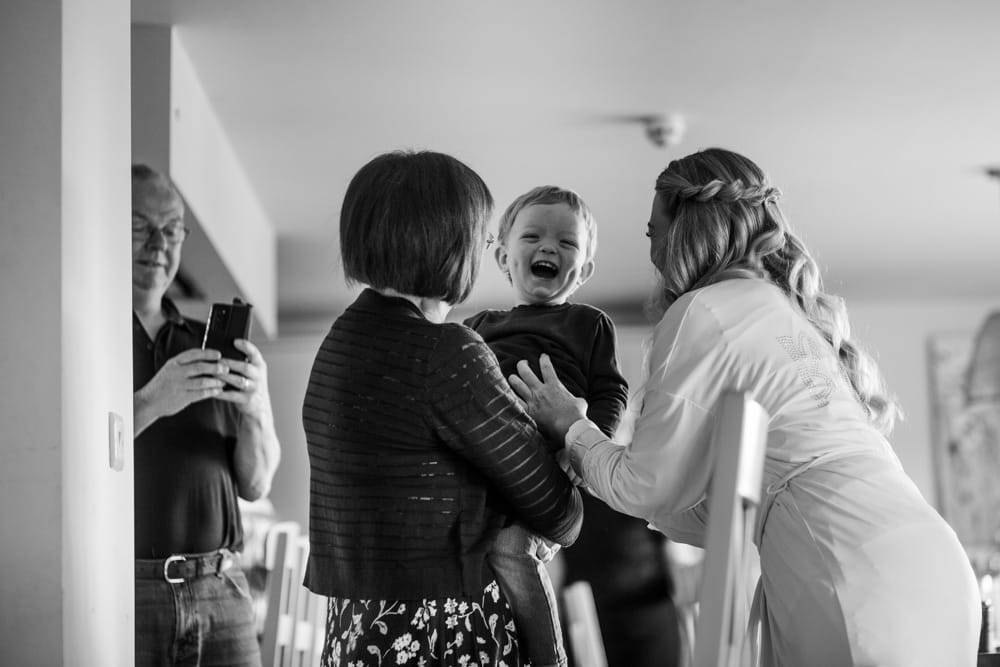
[[525, 582]]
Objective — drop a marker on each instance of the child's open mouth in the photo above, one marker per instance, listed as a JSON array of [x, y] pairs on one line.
[[544, 269]]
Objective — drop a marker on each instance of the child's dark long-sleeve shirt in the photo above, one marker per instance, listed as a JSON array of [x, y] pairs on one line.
[[581, 342]]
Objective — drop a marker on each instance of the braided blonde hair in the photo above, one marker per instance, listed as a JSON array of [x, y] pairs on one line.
[[725, 222]]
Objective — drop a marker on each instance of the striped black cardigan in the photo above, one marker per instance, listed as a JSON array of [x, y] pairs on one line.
[[417, 448]]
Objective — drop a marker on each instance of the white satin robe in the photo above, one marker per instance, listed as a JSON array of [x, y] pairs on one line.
[[856, 567]]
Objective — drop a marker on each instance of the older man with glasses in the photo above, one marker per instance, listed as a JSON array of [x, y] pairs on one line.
[[204, 434]]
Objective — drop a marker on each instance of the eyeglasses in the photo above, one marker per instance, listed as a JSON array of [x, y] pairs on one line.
[[173, 233]]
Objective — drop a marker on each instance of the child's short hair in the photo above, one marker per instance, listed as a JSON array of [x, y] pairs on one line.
[[415, 222], [550, 194]]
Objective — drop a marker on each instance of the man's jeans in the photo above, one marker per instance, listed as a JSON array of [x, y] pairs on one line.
[[206, 621]]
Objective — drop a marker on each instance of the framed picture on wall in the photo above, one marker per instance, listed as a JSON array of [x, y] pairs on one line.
[[966, 445]]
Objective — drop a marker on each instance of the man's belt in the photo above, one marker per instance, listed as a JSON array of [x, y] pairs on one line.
[[181, 567]]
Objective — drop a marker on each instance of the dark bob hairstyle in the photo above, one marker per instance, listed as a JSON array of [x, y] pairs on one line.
[[415, 222]]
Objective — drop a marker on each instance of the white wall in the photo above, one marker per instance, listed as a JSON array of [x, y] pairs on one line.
[[66, 527], [31, 349], [289, 361], [897, 333], [150, 77], [231, 250]]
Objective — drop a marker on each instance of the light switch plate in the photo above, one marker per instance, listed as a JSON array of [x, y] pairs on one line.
[[116, 441]]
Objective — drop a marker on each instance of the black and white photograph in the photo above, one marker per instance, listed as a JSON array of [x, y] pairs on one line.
[[553, 333]]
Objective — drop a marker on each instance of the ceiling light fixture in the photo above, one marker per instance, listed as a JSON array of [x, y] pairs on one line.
[[664, 130]]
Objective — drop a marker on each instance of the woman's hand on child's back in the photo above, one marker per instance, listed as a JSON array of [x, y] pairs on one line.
[[546, 399]]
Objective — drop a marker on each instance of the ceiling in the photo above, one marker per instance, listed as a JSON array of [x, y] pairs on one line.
[[876, 119]]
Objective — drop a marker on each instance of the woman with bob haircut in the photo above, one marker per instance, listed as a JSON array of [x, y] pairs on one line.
[[418, 448], [856, 567]]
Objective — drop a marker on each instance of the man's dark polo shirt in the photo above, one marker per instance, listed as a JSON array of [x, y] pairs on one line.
[[185, 492]]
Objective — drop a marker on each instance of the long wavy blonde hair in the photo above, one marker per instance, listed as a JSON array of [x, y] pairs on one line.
[[725, 222]]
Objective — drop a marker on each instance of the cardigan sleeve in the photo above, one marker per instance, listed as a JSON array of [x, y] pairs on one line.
[[607, 389], [475, 413]]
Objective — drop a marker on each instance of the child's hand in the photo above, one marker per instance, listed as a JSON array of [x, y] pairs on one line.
[[546, 550]]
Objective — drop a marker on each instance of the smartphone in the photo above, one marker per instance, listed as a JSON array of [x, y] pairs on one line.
[[226, 323]]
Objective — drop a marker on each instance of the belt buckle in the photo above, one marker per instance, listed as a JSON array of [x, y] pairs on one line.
[[226, 560], [166, 569]]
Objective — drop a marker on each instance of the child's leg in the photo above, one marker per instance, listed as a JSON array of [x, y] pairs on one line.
[[525, 582]]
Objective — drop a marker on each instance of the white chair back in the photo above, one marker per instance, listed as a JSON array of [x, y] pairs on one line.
[[582, 628], [309, 617], [295, 621], [283, 584], [739, 442]]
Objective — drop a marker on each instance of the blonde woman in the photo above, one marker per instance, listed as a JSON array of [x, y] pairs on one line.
[[856, 567]]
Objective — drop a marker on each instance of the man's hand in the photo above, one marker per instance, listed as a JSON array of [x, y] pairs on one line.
[[246, 381], [257, 449], [191, 376]]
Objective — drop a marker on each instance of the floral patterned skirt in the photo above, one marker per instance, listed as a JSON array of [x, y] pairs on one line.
[[476, 631]]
